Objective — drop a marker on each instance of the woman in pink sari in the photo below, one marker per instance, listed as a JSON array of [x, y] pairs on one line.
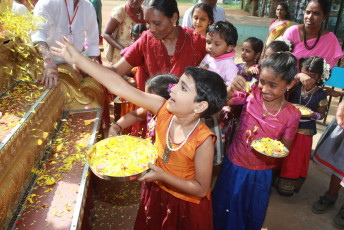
[[279, 25], [309, 39]]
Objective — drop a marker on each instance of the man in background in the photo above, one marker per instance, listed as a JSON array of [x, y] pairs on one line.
[[74, 19]]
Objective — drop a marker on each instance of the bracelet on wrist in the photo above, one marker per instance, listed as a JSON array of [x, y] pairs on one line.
[[318, 116], [120, 128]]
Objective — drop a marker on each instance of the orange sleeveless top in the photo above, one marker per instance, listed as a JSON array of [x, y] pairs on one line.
[[181, 162]]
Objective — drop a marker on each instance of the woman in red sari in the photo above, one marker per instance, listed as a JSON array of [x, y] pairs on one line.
[[166, 47]]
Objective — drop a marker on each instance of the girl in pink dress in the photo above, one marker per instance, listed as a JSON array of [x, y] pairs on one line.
[[251, 51], [241, 193], [221, 40]]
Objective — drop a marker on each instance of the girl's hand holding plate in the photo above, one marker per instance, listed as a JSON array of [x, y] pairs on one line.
[[310, 115], [153, 174]]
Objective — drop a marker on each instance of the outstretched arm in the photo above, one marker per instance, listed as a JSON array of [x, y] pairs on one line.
[[127, 120], [203, 169], [108, 78]]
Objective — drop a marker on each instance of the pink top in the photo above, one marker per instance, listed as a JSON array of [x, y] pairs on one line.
[[222, 65], [284, 125], [153, 56], [328, 46]]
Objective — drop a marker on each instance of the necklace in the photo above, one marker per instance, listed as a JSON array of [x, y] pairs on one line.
[[187, 137], [270, 114], [300, 102], [175, 49], [305, 93], [305, 39], [180, 31]]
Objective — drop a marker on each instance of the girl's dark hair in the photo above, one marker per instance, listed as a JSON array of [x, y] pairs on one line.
[[210, 87], [226, 30], [285, 7], [313, 64], [283, 64], [278, 46], [324, 4], [206, 8], [256, 43], [167, 7], [138, 29], [159, 84]]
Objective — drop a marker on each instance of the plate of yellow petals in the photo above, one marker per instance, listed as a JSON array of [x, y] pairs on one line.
[[121, 158], [270, 147], [303, 109]]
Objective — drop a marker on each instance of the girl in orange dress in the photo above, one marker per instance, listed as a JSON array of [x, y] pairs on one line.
[[177, 192]]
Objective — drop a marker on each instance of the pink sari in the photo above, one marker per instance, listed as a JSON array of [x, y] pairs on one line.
[[328, 46]]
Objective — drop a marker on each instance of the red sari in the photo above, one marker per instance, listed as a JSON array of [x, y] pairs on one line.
[[153, 56]]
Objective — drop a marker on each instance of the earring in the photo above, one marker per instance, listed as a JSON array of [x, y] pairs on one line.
[[287, 89], [195, 111], [174, 24]]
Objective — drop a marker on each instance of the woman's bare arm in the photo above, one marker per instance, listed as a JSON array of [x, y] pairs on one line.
[[110, 28]]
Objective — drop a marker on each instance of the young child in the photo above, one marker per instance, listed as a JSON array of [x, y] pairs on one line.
[[221, 40], [252, 48], [251, 51], [159, 85], [136, 31], [135, 34], [230, 116], [178, 196], [241, 193], [279, 45], [202, 17], [295, 166]]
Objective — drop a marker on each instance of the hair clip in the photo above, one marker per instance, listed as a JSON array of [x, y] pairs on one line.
[[314, 58], [170, 86], [326, 71]]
